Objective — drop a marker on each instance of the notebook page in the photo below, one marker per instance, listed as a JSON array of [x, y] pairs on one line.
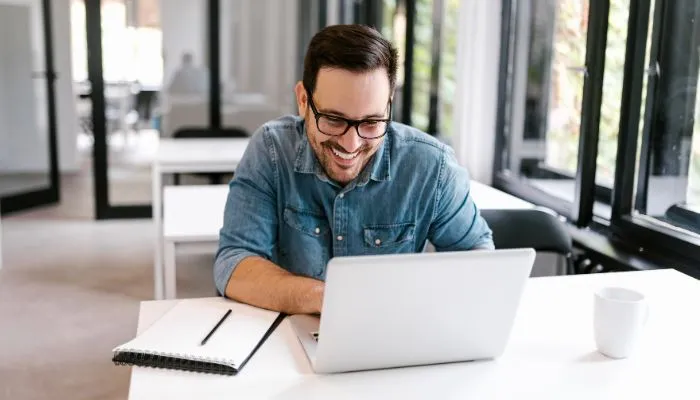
[[180, 331]]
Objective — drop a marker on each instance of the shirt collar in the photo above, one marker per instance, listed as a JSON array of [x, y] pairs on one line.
[[307, 163]]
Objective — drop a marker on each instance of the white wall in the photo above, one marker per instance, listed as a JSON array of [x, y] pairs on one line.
[[29, 148], [477, 86]]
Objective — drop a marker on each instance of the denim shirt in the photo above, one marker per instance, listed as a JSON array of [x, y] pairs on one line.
[[283, 207]]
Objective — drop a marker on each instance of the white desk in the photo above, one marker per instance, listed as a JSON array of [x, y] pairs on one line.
[[193, 216], [187, 156], [489, 198], [551, 355]]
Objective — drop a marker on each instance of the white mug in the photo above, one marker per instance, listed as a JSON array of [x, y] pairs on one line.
[[619, 318]]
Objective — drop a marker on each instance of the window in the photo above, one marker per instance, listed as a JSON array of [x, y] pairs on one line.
[[394, 29], [668, 177], [132, 49], [422, 64], [600, 117], [546, 99], [612, 93], [425, 33], [448, 67]]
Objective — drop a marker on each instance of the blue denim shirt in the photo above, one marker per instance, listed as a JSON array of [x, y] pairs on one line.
[[283, 207]]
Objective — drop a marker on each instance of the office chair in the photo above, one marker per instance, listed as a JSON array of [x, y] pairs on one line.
[[535, 228], [235, 132]]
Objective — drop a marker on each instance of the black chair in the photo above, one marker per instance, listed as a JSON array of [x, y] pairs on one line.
[[190, 133], [534, 228]]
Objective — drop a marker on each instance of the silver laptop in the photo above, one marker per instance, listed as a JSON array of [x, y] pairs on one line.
[[415, 309]]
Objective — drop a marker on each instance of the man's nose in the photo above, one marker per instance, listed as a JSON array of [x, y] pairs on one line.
[[350, 142]]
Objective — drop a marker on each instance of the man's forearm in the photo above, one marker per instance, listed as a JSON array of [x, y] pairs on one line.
[[261, 283]]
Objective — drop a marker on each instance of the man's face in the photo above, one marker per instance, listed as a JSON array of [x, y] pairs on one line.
[[351, 95]]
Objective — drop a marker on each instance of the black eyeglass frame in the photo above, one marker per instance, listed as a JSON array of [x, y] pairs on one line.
[[350, 122]]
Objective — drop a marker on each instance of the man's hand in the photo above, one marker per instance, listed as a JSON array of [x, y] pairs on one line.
[[317, 293]]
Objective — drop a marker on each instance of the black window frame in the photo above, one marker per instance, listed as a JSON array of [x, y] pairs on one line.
[[51, 192], [625, 224], [370, 12], [586, 192], [637, 234]]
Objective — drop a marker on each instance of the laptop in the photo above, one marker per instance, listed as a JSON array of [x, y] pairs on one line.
[[415, 309]]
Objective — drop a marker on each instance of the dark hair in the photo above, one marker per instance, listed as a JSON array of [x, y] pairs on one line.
[[356, 48]]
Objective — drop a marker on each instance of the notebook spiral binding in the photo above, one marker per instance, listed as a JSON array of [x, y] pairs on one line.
[[130, 357]]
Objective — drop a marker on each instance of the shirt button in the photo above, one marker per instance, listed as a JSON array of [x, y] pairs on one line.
[[340, 238], [317, 230], [342, 195], [377, 242]]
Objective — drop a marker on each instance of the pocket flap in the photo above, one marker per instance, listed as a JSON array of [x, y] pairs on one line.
[[387, 235], [306, 222]]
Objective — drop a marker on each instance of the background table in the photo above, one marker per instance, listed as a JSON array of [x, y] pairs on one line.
[[551, 355], [193, 216], [187, 156]]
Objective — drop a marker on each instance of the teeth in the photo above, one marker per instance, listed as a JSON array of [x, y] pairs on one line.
[[343, 155]]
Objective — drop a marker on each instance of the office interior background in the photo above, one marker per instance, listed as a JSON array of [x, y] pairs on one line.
[[587, 108]]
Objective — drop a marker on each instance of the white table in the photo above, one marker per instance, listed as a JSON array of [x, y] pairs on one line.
[[193, 216], [187, 156], [551, 355], [489, 198]]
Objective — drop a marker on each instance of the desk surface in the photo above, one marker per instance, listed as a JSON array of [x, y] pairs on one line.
[[200, 152], [195, 213], [551, 355]]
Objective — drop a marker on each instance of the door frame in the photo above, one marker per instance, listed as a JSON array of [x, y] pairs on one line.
[[51, 194], [103, 208], [93, 22]]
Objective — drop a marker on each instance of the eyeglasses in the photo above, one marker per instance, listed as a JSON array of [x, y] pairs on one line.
[[333, 125]]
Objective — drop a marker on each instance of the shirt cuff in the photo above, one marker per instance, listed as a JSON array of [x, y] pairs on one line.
[[226, 262]]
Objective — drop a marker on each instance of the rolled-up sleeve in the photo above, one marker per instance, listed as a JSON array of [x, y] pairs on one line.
[[250, 217], [457, 223]]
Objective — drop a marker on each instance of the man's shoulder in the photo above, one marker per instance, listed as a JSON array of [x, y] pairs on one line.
[[284, 131], [418, 143], [285, 124], [278, 138]]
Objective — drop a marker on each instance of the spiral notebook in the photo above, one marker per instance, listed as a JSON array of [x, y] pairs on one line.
[[175, 340]]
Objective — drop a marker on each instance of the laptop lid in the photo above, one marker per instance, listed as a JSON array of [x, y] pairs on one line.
[[414, 309]]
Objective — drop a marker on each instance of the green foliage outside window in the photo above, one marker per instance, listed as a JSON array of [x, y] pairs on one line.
[[612, 91], [566, 85], [448, 67], [422, 64]]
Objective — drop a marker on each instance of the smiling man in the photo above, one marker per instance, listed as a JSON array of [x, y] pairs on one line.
[[340, 180]]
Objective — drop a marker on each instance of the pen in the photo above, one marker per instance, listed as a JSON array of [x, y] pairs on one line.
[[204, 341]]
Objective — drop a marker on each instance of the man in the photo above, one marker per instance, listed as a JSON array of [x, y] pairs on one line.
[[342, 180]]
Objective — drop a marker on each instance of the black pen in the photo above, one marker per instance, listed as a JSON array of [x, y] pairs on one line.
[[216, 327]]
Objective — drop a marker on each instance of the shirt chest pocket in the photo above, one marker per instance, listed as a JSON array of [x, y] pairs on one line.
[[305, 242], [306, 222], [390, 238]]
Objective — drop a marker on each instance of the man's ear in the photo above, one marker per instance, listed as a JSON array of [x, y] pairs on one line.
[[302, 98]]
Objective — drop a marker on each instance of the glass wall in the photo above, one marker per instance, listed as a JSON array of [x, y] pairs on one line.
[[28, 160]]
